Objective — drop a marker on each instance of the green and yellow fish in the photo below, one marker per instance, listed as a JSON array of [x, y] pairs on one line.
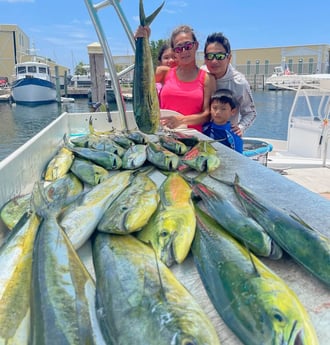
[[15, 281], [171, 229], [133, 208], [252, 300], [140, 301], [305, 245], [59, 165], [145, 98]]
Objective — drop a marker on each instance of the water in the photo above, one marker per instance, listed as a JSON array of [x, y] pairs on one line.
[[273, 108], [19, 123]]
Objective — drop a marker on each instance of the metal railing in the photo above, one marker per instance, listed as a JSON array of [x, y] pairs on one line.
[[92, 10]]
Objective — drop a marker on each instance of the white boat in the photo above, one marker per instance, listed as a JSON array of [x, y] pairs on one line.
[[33, 84], [285, 80], [307, 143]]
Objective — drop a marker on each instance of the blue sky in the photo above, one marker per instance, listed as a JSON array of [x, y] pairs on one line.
[[61, 30]]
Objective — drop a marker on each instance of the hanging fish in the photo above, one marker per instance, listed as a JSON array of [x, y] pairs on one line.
[[145, 98]]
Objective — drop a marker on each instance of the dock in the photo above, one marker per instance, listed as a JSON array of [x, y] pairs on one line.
[[5, 95]]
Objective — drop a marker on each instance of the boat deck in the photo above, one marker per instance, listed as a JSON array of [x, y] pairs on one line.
[[307, 172]]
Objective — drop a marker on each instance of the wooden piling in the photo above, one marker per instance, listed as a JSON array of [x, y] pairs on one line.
[[97, 71]]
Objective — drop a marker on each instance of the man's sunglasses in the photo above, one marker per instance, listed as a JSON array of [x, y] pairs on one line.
[[217, 56], [185, 46]]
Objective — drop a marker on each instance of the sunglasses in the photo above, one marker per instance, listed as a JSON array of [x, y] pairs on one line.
[[185, 46], [217, 56]]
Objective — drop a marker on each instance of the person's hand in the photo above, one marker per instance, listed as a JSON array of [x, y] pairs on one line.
[[142, 31], [172, 121], [237, 130]]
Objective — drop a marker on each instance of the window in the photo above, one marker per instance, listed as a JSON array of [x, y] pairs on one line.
[[32, 69], [248, 67], [310, 66], [21, 70], [300, 66], [257, 66], [266, 67]]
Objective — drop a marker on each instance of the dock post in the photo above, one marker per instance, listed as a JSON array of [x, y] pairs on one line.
[[58, 87], [97, 70]]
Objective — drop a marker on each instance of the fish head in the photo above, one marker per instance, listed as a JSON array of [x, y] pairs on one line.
[[213, 162], [134, 157], [175, 232], [171, 162], [284, 319]]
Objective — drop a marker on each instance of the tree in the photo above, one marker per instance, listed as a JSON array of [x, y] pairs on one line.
[[80, 69]]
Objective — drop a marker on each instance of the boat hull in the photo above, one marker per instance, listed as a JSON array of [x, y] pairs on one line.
[[33, 91]]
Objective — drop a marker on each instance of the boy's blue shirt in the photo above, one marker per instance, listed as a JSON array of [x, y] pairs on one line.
[[224, 134]]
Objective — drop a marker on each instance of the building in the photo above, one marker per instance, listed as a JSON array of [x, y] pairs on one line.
[[14, 44], [15, 48], [257, 64]]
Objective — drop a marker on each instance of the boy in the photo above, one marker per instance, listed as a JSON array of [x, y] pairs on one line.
[[223, 108]]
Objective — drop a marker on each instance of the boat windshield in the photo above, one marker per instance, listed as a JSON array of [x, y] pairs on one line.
[[21, 69], [32, 69], [43, 70]]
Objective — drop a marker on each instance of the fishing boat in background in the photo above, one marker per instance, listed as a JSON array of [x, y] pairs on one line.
[[33, 84], [284, 79], [308, 131]]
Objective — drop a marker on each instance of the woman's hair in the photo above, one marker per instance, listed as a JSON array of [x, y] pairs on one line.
[[218, 37], [182, 29], [161, 51]]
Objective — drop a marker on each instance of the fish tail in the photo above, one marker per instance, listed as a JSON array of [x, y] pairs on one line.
[[146, 21]]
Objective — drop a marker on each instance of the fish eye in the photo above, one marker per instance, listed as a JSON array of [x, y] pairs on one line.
[[164, 233], [278, 317]]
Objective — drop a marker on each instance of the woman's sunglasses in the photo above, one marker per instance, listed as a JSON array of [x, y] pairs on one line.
[[185, 46], [217, 56]]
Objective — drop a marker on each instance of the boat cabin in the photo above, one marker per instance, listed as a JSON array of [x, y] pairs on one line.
[[32, 70]]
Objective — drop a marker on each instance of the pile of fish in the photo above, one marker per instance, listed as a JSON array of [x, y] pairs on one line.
[[101, 187]]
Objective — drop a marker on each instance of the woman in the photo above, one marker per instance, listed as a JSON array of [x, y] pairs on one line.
[[186, 88], [217, 53]]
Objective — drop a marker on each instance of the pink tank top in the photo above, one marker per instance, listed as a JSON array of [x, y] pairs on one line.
[[184, 97]]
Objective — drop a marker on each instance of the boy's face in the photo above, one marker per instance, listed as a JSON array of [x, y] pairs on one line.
[[221, 112]]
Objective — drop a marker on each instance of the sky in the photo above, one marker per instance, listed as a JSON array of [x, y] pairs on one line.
[[62, 30]]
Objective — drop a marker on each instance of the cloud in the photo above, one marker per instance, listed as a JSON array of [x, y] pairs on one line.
[[178, 3]]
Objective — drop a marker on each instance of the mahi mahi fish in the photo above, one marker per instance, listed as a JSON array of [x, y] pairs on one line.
[[305, 245], [80, 223], [133, 208], [145, 99], [140, 301], [15, 281], [243, 228], [251, 299], [63, 291], [171, 229]]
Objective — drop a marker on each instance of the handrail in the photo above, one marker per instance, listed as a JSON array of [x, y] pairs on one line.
[[325, 152], [92, 9], [122, 17]]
